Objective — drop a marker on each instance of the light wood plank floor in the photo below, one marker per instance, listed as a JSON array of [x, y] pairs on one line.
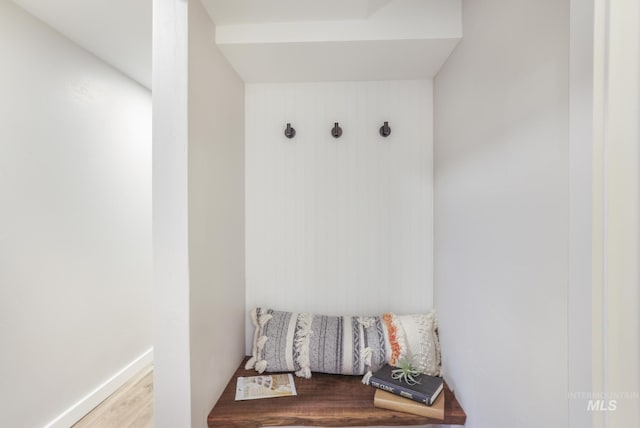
[[131, 406]]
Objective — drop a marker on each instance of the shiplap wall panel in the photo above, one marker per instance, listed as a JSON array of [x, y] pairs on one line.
[[339, 226]]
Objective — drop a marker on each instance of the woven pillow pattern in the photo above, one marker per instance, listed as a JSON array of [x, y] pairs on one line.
[[304, 343]]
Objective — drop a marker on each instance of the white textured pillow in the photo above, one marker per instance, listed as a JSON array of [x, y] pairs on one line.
[[414, 338]]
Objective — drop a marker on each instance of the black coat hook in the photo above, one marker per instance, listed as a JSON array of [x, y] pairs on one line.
[[385, 130], [336, 131], [290, 132]]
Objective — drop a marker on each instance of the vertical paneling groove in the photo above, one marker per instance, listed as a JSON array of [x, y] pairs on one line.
[[339, 225]]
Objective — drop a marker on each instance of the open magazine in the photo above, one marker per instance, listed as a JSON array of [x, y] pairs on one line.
[[268, 386]]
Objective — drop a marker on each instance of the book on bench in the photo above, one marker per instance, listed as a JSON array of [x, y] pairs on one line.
[[389, 401], [426, 391]]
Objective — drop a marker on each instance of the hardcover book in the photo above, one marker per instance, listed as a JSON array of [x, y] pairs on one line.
[[425, 391], [389, 401]]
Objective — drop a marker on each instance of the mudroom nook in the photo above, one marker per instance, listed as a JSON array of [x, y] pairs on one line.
[[369, 157]]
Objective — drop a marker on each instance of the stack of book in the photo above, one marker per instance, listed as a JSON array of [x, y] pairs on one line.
[[424, 398]]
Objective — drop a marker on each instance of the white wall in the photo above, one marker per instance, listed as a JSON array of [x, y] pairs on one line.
[[75, 234], [339, 225], [216, 216], [581, 115], [172, 373], [501, 213], [617, 212], [198, 180]]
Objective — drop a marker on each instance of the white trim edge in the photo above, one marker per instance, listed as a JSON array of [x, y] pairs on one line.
[[87, 403]]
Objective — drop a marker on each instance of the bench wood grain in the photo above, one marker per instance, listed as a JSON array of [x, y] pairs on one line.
[[322, 401]]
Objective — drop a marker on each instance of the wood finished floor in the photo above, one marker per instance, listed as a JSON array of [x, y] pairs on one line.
[[131, 406]]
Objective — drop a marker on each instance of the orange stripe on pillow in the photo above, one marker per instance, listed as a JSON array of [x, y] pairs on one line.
[[393, 338]]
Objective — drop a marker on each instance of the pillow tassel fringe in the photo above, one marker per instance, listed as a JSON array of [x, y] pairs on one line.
[[250, 364], [265, 319], [261, 343], [261, 366], [436, 337], [367, 377], [302, 345], [254, 353], [367, 354], [366, 322], [304, 372]]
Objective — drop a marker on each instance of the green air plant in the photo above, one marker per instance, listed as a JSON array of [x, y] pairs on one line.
[[406, 372]]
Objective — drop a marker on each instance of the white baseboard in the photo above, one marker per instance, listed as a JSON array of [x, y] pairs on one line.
[[74, 413]]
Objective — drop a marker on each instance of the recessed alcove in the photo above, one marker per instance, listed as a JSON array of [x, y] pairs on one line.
[[463, 207], [310, 223]]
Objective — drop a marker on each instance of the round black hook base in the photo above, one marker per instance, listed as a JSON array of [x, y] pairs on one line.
[[385, 130], [336, 131], [289, 132]]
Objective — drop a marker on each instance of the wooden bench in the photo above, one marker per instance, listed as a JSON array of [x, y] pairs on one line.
[[322, 401]]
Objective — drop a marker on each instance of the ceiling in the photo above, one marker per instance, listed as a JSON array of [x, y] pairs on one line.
[[117, 31], [312, 40], [339, 61], [276, 40], [225, 12]]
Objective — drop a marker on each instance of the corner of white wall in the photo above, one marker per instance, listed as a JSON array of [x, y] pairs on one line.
[[87, 403], [216, 216], [172, 379]]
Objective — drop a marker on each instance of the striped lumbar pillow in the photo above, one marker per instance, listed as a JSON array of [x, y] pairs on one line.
[[305, 343]]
